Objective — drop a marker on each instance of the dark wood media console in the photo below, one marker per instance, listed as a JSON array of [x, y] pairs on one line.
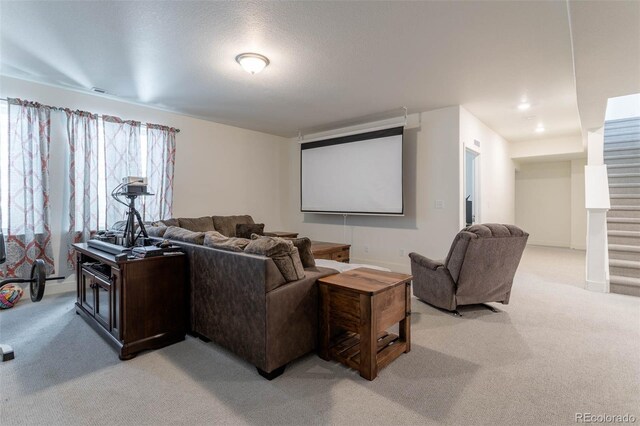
[[135, 304]]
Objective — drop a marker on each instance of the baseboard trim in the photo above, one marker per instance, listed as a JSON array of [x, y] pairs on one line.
[[396, 267], [57, 287], [558, 244], [598, 286]]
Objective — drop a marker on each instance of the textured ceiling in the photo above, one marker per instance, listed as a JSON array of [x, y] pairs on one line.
[[330, 61]]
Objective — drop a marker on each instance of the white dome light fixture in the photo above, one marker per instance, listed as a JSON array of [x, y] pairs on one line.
[[252, 63], [523, 106]]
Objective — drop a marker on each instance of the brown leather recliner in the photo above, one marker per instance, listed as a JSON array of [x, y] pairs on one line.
[[479, 268]]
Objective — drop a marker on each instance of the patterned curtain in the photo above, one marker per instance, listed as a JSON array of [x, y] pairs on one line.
[[161, 158], [29, 235], [82, 134], [122, 158]]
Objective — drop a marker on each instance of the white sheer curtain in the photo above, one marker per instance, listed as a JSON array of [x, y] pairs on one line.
[[122, 158], [84, 208], [29, 234], [161, 158]]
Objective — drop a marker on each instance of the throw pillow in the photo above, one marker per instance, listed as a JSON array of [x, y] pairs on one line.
[[214, 236], [10, 294], [304, 249], [244, 230], [200, 224], [282, 252], [290, 265], [180, 234], [268, 246], [218, 241], [156, 231], [226, 225]]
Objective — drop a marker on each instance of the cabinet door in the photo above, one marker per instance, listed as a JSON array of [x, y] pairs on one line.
[[103, 301], [78, 278], [116, 295], [87, 296]]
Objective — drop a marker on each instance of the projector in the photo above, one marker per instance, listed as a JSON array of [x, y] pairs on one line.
[[134, 184], [134, 180]]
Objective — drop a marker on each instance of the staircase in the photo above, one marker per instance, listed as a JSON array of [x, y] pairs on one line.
[[622, 157]]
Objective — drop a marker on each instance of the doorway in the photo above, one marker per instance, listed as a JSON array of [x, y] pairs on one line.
[[471, 187]]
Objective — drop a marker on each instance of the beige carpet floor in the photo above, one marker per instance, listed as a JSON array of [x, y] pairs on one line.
[[554, 351]]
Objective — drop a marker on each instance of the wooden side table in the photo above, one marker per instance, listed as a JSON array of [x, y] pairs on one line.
[[330, 251], [356, 309], [281, 234]]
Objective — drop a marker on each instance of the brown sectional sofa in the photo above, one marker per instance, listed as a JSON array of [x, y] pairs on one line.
[[242, 302]]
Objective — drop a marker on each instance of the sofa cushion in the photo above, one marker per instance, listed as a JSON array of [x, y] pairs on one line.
[[156, 231], [200, 224], [268, 246], [169, 222], [304, 250], [283, 253], [226, 225], [244, 230], [216, 240], [214, 236], [290, 265], [181, 234]]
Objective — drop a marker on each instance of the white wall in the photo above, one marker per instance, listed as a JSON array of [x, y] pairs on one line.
[[219, 169], [578, 210], [497, 170], [569, 146], [543, 202], [431, 173]]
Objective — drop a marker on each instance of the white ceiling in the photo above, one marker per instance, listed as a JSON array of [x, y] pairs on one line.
[[330, 61]]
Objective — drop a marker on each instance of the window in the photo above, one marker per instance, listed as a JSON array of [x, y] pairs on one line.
[[60, 132], [103, 191], [4, 164]]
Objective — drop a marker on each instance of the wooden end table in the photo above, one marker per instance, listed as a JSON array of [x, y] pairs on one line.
[[281, 234], [356, 309], [330, 251]]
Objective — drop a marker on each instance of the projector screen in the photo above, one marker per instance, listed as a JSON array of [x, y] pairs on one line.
[[356, 174]]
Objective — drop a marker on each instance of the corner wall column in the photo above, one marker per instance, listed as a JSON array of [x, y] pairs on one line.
[[597, 203]]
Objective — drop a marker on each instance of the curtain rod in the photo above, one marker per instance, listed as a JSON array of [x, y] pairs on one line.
[[55, 108]]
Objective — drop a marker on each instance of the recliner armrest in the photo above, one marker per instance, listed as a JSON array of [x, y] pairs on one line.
[[425, 261]]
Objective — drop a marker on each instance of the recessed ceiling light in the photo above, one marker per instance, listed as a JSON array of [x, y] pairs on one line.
[[252, 63], [540, 128], [523, 106]]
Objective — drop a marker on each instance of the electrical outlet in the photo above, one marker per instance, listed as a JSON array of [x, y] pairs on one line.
[[366, 249], [439, 204], [402, 252]]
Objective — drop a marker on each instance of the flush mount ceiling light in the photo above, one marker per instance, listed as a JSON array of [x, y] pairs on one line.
[[252, 63], [523, 106]]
